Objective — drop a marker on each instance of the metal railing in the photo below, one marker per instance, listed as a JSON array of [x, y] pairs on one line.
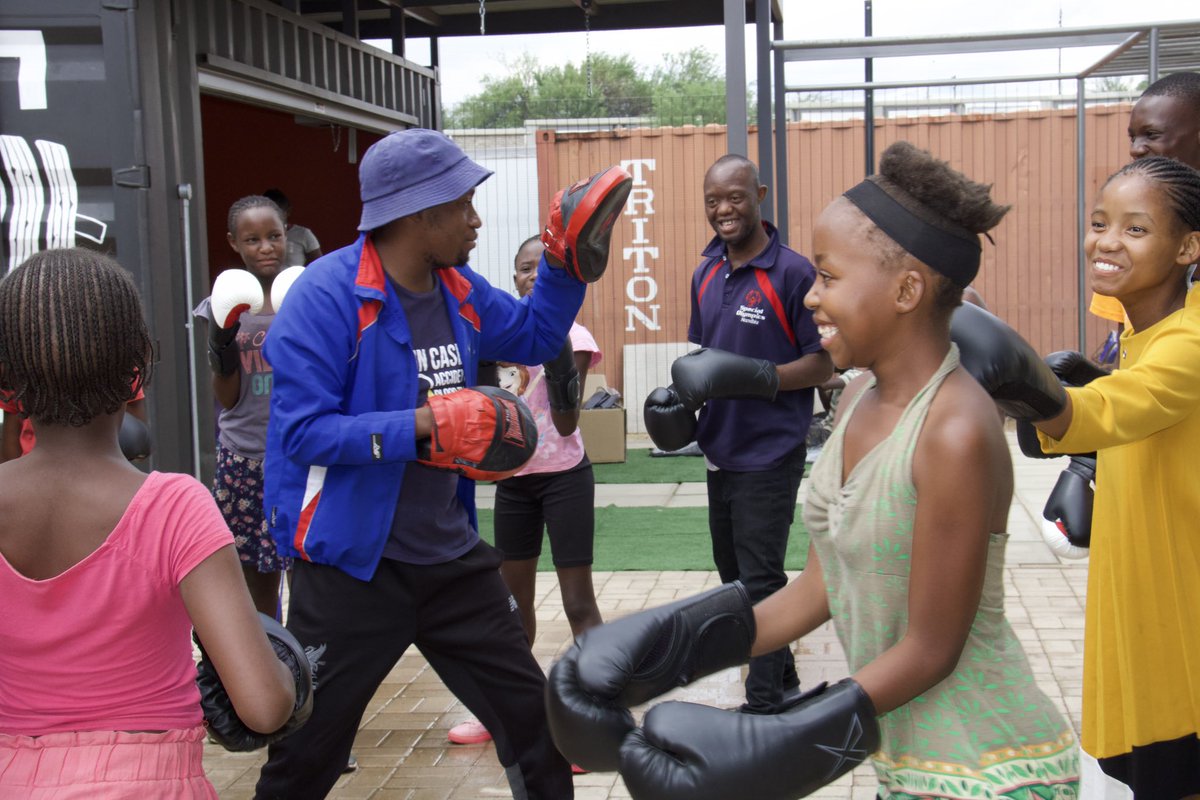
[[261, 42]]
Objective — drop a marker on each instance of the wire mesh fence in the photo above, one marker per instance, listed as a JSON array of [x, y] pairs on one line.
[[1020, 138]]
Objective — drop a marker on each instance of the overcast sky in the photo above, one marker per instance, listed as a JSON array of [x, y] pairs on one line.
[[465, 60]]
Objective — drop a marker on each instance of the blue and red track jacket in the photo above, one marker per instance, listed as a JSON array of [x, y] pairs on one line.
[[341, 430]]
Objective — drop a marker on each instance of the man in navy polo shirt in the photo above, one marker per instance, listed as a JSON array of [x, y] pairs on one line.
[[753, 382]]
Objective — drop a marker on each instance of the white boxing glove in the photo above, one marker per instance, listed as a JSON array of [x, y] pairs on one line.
[[234, 292], [1056, 539], [283, 282]]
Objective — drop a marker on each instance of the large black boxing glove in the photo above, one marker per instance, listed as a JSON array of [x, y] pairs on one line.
[[1006, 366], [221, 718], [562, 379], [706, 373], [1067, 529], [1072, 369], [690, 752], [671, 425], [1027, 440], [626, 662]]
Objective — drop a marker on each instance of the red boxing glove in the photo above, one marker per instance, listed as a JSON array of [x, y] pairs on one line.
[[485, 434]]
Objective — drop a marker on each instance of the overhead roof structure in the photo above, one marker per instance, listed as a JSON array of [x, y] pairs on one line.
[[1151, 48], [439, 18], [1154, 47], [1168, 47]]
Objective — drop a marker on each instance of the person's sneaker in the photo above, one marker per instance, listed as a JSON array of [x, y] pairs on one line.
[[578, 770], [469, 732], [351, 765]]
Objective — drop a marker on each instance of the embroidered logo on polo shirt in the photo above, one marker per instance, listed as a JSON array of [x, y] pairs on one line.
[[751, 310]]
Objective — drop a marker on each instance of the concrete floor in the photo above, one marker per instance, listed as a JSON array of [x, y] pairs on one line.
[[402, 748]]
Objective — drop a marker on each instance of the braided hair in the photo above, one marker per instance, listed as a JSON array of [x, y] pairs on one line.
[[940, 196], [73, 343], [245, 204], [1179, 182]]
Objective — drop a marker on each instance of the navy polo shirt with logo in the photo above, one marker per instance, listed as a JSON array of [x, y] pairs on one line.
[[756, 311]]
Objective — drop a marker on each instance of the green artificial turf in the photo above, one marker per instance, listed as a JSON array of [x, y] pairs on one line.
[[640, 467], [656, 539]]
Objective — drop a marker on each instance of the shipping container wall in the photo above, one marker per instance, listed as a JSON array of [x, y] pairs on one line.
[[97, 149], [1028, 278], [248, 149]]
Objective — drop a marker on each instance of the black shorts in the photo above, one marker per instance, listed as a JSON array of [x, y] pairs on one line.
[[560, 502]]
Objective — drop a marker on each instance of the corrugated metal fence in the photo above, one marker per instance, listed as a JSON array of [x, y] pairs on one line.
[[1028, 278]]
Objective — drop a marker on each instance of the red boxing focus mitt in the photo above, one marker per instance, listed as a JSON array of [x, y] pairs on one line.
[[485, 434], [581, 220]]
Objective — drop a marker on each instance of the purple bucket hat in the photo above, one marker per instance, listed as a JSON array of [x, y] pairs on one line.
[[411, 170]]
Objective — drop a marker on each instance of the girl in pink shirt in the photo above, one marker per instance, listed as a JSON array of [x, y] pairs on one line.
[[104, 569], [554, 491]]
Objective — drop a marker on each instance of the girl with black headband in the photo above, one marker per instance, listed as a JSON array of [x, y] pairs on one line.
[[907, 508]]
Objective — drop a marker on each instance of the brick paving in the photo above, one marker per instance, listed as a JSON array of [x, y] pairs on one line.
[[401, 745]]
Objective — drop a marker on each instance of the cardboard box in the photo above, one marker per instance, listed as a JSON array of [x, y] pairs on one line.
[[603, 434], [592, 382]]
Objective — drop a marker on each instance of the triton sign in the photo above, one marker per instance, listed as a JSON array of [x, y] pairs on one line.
[[641, 288]]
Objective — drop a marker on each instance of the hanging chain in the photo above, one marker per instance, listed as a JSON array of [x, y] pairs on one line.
[[482, 19], [587, 43]]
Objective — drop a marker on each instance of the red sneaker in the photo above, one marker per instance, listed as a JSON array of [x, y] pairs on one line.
[[469, 732], [578, 770]]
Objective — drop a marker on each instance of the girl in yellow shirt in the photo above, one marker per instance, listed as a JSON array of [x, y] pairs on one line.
[[1141, 681]]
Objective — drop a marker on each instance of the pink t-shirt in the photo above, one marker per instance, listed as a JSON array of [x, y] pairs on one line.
[[107, 644], [555, 452]]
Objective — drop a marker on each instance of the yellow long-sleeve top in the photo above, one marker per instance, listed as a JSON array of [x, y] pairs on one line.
[[1141, 678]]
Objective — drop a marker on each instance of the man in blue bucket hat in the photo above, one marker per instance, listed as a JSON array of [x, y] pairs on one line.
[[376, 438]]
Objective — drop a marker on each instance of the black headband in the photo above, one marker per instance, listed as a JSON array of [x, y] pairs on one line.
[[952, 256]]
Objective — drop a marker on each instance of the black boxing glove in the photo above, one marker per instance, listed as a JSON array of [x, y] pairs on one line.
[[1027, 440], [633, 659], [219, 715], [1006, 366], [685, 751], [562, 379], [670, 424], [1073, 368], [707, 373], [1068, 513], [134, 438]]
